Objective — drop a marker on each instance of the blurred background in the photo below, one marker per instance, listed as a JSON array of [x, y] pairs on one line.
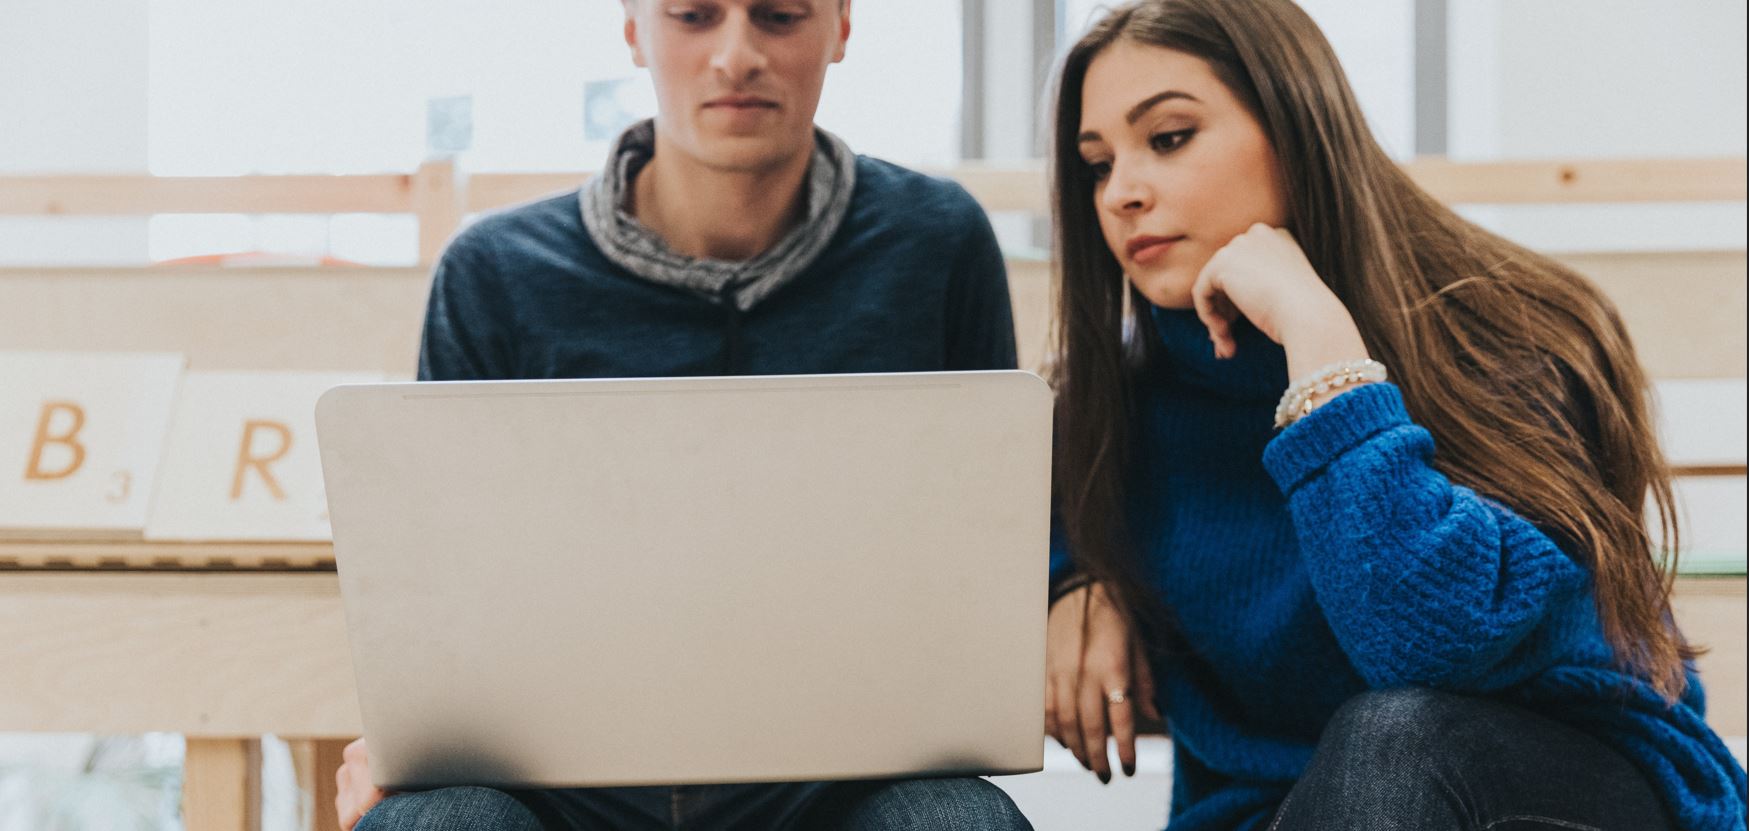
[[229, 88], [234, 87]]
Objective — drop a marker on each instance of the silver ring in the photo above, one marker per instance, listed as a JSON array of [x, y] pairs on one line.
[[1117, 697]]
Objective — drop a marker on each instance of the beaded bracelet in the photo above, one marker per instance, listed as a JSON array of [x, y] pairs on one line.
[[1297, 401]]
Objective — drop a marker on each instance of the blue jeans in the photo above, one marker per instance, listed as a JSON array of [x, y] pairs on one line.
[[1418, 760], [946, 804]]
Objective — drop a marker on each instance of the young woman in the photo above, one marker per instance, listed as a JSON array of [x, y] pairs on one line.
[[1420, 603]]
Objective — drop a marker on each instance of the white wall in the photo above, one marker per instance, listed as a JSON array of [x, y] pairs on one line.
[[1529, 79], [72, 98], [1584, 78]]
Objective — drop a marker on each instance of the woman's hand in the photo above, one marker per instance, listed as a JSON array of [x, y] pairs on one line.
[[1263, 276], [356, 794], [1095, 679]]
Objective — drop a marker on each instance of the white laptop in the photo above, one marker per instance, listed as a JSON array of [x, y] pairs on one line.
[[709, 580]]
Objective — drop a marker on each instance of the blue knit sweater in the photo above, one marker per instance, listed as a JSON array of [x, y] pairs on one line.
[[1304, 567]]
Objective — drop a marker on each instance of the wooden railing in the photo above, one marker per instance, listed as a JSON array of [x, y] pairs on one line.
[[439, 197]]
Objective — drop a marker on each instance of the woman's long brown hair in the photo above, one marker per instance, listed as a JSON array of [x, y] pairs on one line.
[[1521, 369]]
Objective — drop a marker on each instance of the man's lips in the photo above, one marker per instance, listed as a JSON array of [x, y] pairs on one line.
[[1146, 249], [741, 102]]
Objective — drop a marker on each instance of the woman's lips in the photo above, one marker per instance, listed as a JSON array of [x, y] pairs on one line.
[[1145, 250]]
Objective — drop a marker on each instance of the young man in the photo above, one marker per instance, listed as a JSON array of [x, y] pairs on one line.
[[728, 236]]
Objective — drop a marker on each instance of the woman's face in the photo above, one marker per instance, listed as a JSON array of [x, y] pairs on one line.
[[1180, 166]]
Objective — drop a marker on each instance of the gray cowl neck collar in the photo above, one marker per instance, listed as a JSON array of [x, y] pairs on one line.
[[633, 246]]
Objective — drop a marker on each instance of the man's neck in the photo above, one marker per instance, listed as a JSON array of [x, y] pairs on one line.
[[713, 214]]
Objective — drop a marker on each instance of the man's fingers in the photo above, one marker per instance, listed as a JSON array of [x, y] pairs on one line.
[[348, 813], [354, 793], [351, 807], [343, 807]]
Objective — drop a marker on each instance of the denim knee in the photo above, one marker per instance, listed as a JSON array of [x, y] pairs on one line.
[[1393, 724], [450, 809], [964, 804]]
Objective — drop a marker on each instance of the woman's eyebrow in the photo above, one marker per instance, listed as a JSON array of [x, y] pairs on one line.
[[1140, 109], [1135, 114]]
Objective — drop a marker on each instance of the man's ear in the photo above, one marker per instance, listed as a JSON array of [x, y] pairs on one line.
[[631, 33], [843, 31]]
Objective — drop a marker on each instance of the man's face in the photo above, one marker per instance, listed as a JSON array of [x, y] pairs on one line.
[[737, 81]]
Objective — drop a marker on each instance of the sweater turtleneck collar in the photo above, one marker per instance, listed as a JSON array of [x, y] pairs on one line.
[[1258, 372]]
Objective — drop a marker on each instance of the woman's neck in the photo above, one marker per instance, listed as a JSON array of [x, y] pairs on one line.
[[1257, 372]]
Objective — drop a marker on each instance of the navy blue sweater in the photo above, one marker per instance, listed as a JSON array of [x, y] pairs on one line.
[[1305, 567], [912, 281]]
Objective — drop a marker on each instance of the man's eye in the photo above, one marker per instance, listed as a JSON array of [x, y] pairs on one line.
[[783, 19], [690, 17]]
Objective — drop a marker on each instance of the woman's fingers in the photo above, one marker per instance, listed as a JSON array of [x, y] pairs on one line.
[[1120, 711], [1051, 709], [1069, 719], [1106, 688], [1145, 690], [1093, 733], [1216, 312], [1090, 698]]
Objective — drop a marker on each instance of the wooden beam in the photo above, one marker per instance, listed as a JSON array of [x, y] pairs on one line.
[[206, 655], [1021, 186], [437, 204], [1713, 616], [316, 761], [252, 319], [1589, 181], [87, 195], [1688, 311], [490, 191], [221, 785]]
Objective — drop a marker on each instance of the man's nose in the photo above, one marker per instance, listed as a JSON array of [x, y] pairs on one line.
[[738, 56]]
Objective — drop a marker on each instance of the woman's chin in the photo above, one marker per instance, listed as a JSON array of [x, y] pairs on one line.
[[1166, 293]]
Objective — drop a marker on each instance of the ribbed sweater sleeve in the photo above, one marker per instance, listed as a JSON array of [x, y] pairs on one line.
[[1422, 581]]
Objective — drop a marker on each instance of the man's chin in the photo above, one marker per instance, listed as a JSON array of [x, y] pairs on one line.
[[750, 154]]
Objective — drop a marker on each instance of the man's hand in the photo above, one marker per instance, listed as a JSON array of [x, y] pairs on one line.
[[356, 794], [1095, 680]]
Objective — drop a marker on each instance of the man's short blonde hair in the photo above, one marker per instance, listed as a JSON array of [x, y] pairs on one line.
[[635, 2]]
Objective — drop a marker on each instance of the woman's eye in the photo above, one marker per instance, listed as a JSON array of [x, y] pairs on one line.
[[1167, 142], [1099, 170]]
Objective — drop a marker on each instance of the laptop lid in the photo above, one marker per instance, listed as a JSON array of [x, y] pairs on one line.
[[669, 581]]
